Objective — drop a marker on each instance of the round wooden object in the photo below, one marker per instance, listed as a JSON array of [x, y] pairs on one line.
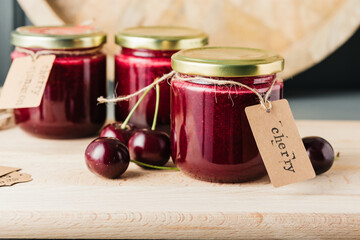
[[304, 32]]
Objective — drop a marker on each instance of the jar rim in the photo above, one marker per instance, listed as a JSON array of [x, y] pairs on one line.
[[58, 37], [161, 37], [227, 62]]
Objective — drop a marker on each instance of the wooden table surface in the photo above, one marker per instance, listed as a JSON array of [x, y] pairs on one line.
[[66, 201]]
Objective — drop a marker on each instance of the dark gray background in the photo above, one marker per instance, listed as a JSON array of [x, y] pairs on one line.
[[328, 90]]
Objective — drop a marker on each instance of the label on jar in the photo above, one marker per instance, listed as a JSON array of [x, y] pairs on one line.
[[25, 83], [279, 143]]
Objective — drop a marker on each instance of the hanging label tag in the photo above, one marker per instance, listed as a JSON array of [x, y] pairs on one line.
[[25, 83], [13, 178], [6, 119], [279, 143]]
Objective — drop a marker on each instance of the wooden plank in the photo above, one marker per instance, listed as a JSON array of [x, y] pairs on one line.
[[66, 200]]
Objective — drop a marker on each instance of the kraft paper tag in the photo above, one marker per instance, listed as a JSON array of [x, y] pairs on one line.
[[25, 83], [6, 119], [7, 170], [13, 178], [279, 143]]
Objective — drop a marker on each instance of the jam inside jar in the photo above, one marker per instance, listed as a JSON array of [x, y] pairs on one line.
[[68, 108], [210, 134], [146, 55], [136, 69]]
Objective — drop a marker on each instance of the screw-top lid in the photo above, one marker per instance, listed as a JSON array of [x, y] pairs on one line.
[[58, 37], [161, 38], [227, 62]]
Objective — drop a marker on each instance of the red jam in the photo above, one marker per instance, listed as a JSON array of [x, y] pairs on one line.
[[211, 137], [134, 70], [69, 106]]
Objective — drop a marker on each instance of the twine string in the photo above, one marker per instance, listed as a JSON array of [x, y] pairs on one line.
[[35, 54], [264, 101], [127, 97]]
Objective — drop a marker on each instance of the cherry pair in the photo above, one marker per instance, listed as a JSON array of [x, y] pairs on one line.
[[109, 157], [145, 145], [120, 142]]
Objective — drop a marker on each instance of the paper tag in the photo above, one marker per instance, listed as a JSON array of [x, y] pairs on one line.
[[13, 178], [6, 119], [25, 83], [7, 170], [279, 143]]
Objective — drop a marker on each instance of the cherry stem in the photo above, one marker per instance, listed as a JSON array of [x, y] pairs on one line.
[[123, 125], [153, 166], [337, 156], [156, 107]]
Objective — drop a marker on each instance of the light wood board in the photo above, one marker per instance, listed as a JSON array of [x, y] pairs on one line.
[[303, 31], [65, 200]]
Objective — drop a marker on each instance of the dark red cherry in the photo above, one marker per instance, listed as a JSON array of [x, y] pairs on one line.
[[150, 147], [320, 152], [107, 157], [114, 130]]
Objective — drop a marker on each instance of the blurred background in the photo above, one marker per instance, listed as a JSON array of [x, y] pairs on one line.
[[320, 40]]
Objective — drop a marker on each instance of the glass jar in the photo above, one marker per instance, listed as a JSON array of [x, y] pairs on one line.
[[210, 134], [146, 55], [68, 108]]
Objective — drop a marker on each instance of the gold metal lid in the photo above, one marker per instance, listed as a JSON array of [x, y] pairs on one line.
[[57, 37], [161, 38], [227, 62]]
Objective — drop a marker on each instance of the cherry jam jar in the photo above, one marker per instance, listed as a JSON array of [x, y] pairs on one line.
[[144, 56], [68, 108], [210, 134]]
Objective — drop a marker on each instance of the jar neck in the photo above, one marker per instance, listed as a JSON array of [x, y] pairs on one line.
[[253, 80], [147, 53], [59, 52]]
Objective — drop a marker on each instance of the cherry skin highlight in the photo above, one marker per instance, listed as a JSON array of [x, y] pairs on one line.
[[107, 157], [320, 152], [114, 130], [150, 147]]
